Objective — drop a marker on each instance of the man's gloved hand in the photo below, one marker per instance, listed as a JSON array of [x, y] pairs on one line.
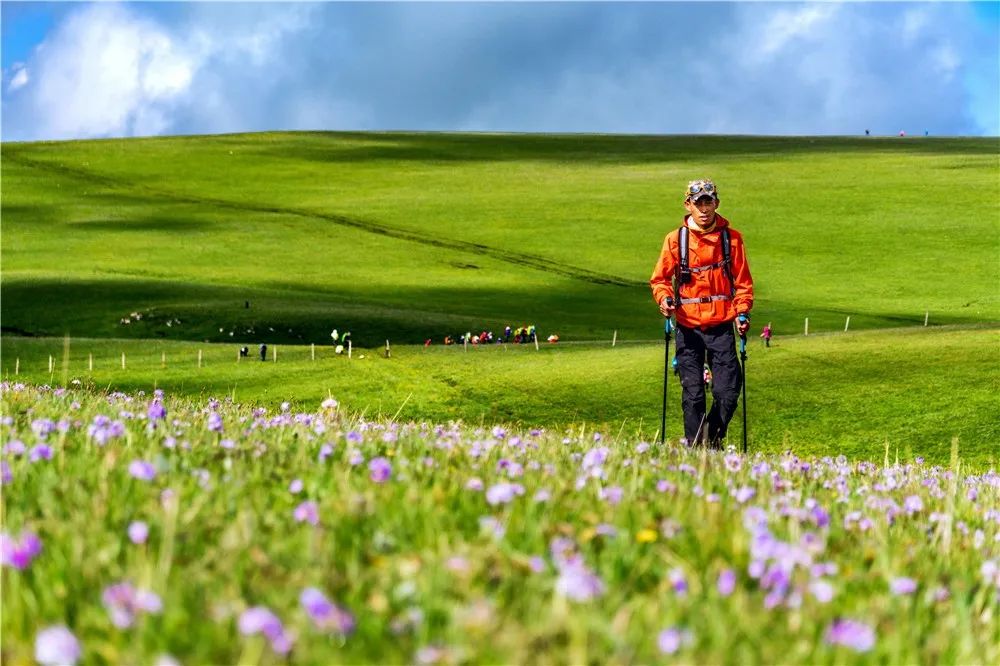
[[742, 323], [667, 306]]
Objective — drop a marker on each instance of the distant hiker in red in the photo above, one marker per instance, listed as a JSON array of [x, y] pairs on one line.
[[703, 277], [766, 334]]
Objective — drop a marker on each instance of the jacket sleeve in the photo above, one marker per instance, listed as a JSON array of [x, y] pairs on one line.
[[743, 300], [660, 281]]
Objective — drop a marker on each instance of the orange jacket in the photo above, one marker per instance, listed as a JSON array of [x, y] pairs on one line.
[[705, 249]]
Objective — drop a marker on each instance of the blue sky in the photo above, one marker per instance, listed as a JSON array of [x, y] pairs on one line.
[[78, 70]]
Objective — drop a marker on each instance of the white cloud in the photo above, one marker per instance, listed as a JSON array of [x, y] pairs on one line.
[[108, 71], [20, 77], [787, 25]]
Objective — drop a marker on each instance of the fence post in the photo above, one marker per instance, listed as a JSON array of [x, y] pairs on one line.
[[17, 365], [163, 359], [927, 315], [90, 362], [847, 323], [123, 360], [348, 349], [536, 341], [312, 350], [50, 364], [274, 357], [388, 353], [199, 358], [614, 338], [807, 325]]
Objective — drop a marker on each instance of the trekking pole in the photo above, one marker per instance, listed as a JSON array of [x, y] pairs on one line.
[[743, 359], [667, 329]]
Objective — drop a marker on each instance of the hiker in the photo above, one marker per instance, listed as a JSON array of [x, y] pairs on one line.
[[714, 292], [766, 334], [263, 352]]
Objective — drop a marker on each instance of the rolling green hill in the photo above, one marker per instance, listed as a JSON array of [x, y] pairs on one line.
[[410, 236]]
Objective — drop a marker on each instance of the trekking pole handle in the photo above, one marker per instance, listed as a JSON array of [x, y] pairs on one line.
[[668, 326], [743, 336]]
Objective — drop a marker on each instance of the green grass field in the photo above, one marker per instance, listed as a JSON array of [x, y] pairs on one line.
[[855, 393], [413, 236]]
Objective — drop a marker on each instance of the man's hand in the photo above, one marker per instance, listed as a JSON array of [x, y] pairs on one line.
[[667, 306], [742, 324]]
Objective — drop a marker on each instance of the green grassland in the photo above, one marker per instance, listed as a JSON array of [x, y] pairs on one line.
[[408, 236], [858, 394]]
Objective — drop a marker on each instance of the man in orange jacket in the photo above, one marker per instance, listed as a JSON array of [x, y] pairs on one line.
[[709, 287]]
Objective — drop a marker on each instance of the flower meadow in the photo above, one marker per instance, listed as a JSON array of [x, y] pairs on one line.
[[145, 529]]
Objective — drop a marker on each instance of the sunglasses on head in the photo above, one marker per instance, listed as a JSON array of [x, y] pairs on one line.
[[700, 188]]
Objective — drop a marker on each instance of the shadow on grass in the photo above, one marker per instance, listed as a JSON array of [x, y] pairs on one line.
[[592, 148], [301, 314], [160, 224]]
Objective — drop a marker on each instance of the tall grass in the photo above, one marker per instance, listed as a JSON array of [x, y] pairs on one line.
[[441, 543]]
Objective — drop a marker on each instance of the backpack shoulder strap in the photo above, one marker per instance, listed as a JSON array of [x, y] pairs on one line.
[[727, 263], [682, 241]]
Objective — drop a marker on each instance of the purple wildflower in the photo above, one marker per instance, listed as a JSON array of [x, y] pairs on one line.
[[295, 487], [379, 470], [664, 486], [260, 620], [744, 494], [14, 448], [102, 429], [325, 452], [578, 583], [733, 462], [902, 585], [913, 504], [503, 493], [327, 616], [543, 495], [355, 437], [6, 476], [56, 646], [40, 452], [123, 602], [677, 582], [19, 553], [355, 458], [142, 470], [821, 590], [606, 530], [42, 427], [671, 640], [307, 512], [156, 411], [727, 582], [138, 532], [612, 495], [537, 564], [851, 634], [215, 422], [595, 457]]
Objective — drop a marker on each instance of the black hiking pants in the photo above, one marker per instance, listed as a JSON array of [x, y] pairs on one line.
[[719, 343]]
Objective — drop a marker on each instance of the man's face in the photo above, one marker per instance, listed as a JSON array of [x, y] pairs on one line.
[[702, 210]]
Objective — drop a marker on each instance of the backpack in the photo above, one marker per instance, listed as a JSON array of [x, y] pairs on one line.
[[683, 271]]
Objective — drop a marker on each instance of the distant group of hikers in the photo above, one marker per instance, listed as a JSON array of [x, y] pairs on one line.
[[519, 335]]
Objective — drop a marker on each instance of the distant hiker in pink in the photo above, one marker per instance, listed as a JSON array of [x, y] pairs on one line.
[[766, 335]]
